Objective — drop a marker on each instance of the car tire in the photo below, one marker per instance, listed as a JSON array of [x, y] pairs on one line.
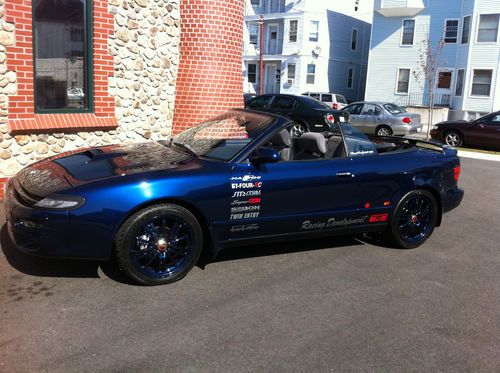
[[159, 244], [454, 138], [298, 129], [414, 220], [383, 131]]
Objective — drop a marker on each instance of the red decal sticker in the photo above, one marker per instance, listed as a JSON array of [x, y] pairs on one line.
[[379, 218]]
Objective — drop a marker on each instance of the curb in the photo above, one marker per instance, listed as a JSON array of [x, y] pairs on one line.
[[476, 155]]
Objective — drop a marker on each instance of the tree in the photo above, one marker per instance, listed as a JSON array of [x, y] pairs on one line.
[[429, 61]]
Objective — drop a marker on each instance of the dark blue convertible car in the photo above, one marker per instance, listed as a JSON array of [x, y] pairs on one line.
[[236, 179]]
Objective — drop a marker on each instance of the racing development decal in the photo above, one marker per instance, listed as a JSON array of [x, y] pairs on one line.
[[332, 223]]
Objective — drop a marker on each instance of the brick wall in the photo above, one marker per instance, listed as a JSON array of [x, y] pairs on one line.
[[209, 80]]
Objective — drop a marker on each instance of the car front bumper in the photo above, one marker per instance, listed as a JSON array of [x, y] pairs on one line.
[[36, 231]]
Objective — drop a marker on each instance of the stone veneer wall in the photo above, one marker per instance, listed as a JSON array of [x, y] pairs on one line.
[[145, 48]]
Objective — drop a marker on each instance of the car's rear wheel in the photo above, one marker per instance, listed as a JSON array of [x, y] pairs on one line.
[[159, 244], [383, 131], [454, 138], [414, 219], [298, 129]]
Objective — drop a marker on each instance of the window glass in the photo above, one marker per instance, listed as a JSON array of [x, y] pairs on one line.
[[451, 31], [255, 2], [283, 103], [314, 30], [358, 144], [341, 99], [354, 39], [481, 82], [394, 109], [316, 96], [354, 109], [326, 98], [444, 79], [253, 31], [459, 89], [403, 81], [260, 102], [252, 73], [371, 109], [311, 71], [61, 56], [350, 78], [494, 120], [466, 30], [294, 25], [408, 32], [488, 28], [313, 103], [291, 72]]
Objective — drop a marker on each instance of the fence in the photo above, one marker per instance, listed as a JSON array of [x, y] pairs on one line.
[[423, 99]]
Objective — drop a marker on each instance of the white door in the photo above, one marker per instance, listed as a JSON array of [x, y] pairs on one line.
[[272, 39], [270, 79], [444, 86]]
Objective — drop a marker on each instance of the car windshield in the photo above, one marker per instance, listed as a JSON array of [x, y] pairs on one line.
[[358, 144], [394, 109], [224, 136], [314, 104]]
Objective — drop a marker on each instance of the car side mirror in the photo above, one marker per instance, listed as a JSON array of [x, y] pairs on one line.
[[265, 155]]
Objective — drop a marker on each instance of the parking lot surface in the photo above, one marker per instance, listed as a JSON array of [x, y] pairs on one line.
[[339, 304]]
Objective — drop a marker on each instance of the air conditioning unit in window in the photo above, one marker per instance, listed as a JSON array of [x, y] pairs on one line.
[[290, 81]]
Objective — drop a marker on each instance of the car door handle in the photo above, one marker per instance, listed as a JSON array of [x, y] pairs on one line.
[[345, 174]]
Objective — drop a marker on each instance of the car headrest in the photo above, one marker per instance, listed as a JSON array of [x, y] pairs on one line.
[[282, 138], [312, 142]]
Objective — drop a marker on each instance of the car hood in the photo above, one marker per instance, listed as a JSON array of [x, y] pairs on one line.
[[76, 168], [453, 122]]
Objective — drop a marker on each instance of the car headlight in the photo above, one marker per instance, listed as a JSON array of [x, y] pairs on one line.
[[61, 202]]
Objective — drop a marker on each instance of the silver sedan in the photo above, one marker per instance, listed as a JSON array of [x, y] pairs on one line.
[[383, 118]]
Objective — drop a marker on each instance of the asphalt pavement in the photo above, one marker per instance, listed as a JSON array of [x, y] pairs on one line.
[[340, 304]]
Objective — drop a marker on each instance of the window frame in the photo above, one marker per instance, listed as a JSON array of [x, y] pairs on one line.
[[471, 95], [350, 77], [479, 24], [403, 32], [397, 81], [250, 25], [294, 64], [89, 70], [463, 29], [309, 74], [457, 81], [354, 41], [311, 22], [260, 3], [445, 30], [452, 76], [248, 72], [296, 31]]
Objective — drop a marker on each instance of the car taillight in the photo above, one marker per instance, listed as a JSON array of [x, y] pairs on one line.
[[335, 106], [456, 173], [406, 120]]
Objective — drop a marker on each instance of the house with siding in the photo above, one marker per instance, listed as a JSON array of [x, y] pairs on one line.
[[308, 45], [468, 77]]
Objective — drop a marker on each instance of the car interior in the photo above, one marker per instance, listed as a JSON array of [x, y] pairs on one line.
[[310, 145]]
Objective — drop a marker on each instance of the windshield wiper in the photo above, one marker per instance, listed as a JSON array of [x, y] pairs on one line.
[[185, 147]]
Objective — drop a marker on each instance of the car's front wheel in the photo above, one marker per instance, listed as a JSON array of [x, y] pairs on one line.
[[414, 219], [159, 244], [298, 129], [453, 138]]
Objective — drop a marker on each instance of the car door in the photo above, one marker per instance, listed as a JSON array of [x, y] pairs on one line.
[[283, 105], [354, 111], [261, 103], [371, 117], [485, 131]]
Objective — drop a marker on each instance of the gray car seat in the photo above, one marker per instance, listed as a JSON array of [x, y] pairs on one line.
[[310, 145], [282, 142]]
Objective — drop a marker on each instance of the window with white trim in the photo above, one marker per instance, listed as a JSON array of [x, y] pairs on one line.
[[291, 73], [314, 31], [408, 32], [255, 2], [252, 73], [451, 31], [311, 73], [465, 30], [403, 85], [253, 31], [488, 28], [459, 87], [350, 78], [292, 32], [444, 79], [481, 82], [354, 39]]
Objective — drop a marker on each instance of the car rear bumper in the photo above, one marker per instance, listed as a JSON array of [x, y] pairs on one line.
[[452, 199], [35, 231], [406, 129]]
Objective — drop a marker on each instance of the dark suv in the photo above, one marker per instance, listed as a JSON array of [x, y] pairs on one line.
[[307, 113]]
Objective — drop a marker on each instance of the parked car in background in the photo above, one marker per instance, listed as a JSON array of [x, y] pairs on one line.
[[383, 118], [334, 100], [247, 97], [307, 113], [482, 132]]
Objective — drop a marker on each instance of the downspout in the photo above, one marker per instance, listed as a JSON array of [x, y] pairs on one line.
[[261, 64]]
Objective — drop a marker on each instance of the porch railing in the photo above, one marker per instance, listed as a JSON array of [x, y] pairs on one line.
[[423, 99]]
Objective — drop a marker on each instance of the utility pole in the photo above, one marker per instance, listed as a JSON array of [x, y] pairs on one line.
[[261, 64]]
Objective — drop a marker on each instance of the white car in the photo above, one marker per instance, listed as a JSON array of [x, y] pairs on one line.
[[334, 100]]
